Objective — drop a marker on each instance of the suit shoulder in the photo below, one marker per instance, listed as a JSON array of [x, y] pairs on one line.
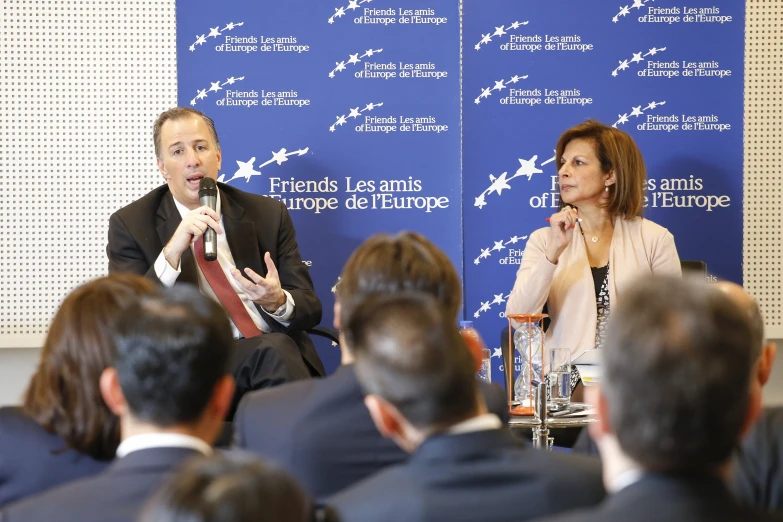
[[145, 205], [15, 423], [287, 397]]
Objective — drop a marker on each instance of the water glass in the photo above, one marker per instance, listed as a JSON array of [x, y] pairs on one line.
[[559, 378], [485, 370]]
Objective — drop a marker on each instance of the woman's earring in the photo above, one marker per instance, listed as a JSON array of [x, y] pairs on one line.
[[607, 188]]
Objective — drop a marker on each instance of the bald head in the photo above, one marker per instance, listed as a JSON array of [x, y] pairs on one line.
[[746, 303]]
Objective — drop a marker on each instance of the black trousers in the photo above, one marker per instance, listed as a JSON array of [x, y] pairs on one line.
[[262, 362]]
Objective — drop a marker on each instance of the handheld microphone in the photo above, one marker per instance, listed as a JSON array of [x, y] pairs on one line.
[[207, 196]]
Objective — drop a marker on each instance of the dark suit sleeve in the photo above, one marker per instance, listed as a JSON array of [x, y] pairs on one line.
[[124, 253], [295, 278]]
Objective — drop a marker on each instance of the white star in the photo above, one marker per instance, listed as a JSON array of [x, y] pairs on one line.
[[515, 25], [354, 58], [513, 240], [193, 101], [516, 78], [476, 261], [528, 168], [652, 52], [476, 315], [614, 73], [623, 118], [499, 86], [486, 38], [279, 156], [623, 65], [497, 353], [624, 11], [499, 184], [476, 47], [477, 100], [339, 12], [500, 31], [638, 4], [485, 253], [485, 306], [637, 111], [354, 113], [192, 47], [214, 32], [215, 86], [229, 26], [340, 66], [340, 120], [485, 92], [230, 81], [369, 107], [498, 246], [637, 57], [651, 105], [368, 52], [246, 169], [201, 40], [353, 4], [201, 94], [499, 299], [480, 203]]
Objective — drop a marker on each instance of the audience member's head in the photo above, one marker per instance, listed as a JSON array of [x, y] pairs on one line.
[[386, 264], [170, 367], [677, 391], [228, 488], [763, 352], [416, 372], [63, 395]]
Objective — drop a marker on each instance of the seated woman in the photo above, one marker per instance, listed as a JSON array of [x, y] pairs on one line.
[[64, 431], [596, 245]]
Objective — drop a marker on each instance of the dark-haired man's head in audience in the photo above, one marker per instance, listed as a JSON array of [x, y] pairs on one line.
[[389, 264], [677, 394], [169, 385], [228, 488], [64, 430], [419, 380], [414, 367]]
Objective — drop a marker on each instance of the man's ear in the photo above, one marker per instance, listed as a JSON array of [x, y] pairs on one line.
[[766, 362], [384, 416], [595, 395], [337, 308], [222, 396], [162, 169], [111, 391]]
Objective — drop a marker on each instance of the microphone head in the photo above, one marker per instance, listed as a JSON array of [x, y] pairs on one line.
[[207, 187]]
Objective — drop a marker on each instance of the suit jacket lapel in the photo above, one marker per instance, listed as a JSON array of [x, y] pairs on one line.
[[169, 220], [241, 236]]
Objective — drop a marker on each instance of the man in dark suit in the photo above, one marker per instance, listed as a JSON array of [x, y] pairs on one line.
[[677, 394], [258, 276], [418, 376], [170, 386], [320, 430]]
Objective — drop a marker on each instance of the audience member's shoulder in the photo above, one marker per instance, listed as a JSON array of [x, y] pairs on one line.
[[387, 494], [46, 505], [578, 474], [283, 395], [16, 425]]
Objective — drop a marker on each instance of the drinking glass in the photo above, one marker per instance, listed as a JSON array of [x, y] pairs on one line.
[[559, 378]]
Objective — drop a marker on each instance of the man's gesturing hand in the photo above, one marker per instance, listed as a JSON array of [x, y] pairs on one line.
[[193, 226], [264, 291]]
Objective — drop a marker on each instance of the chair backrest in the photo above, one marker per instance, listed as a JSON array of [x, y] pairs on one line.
[[694, 266]]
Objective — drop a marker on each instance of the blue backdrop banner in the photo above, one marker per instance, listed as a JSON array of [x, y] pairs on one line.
[[368, 115], [346, 110]]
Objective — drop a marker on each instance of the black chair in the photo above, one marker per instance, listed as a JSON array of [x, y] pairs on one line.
[[693, 267]]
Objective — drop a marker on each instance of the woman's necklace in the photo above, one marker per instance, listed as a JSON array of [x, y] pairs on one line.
[[594, 239]]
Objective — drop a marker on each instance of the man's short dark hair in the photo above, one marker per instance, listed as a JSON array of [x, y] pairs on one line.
[[179, 113], [404, 262], [410, 353], [171, 350], [677, 376]]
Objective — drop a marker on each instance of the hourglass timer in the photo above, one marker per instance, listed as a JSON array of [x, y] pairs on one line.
[[526, 336]]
